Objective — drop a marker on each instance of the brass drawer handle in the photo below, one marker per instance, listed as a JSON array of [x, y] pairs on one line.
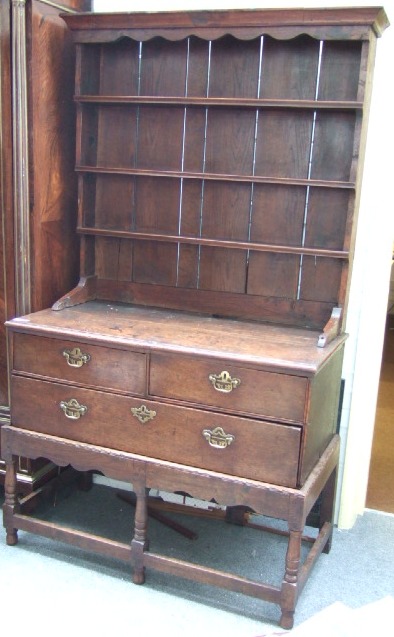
[[143, 414], [72, 409], [218, 438], [75, 358], [223, 382]]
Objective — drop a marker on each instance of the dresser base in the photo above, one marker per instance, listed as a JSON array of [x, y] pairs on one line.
[[292, 505]]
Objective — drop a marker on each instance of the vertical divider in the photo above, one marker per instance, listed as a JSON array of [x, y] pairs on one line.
[[204, 161], [254, 159], [182, 160], [135, 179], [309, 171]]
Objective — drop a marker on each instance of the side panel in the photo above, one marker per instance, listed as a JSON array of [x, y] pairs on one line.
[[323, 412]]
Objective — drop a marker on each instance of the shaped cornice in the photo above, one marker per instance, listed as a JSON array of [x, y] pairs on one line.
[[331, 24]]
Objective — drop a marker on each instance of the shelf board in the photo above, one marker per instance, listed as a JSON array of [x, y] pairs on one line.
[[206, 102], [217, 243], [255, 179]]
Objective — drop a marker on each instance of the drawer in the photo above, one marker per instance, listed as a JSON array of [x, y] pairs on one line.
[[80, 363], [248, 448], [220, 384]]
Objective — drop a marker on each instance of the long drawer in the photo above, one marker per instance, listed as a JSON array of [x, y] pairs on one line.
[[228, 386], [238, 446], [80, 363]]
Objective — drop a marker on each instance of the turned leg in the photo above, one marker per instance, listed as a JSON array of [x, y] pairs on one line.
[[290, 580], [139, 543], [11, 504]]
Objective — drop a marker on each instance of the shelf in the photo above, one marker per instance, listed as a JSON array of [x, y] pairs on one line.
[[252, 179], [220, 102], [219, 243]]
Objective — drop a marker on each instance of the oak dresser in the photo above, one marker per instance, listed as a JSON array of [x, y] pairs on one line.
[[218, 157]]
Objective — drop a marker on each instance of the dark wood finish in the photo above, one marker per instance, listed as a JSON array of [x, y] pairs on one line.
[[38, 252], [201, 350]]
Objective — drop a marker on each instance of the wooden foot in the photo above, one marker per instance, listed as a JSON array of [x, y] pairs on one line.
[[287, 620], [139, 576], [12, 537]]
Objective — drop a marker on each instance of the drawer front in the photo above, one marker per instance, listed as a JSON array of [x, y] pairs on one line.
[[228, 444], [220, 384], [80, 363]]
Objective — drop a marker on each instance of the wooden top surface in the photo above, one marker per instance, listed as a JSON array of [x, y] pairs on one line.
[[271, 347]]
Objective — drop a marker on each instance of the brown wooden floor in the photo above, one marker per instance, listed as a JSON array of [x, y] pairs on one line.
[[380, 493]]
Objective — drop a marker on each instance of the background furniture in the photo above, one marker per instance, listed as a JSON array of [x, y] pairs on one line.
[[39, 257], [201, 350]]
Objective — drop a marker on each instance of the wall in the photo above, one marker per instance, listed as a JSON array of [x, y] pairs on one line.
[[372, 261]]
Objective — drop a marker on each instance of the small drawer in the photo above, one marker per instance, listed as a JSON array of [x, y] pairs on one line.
[[218, 383], [248, 448], [80, 363]]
